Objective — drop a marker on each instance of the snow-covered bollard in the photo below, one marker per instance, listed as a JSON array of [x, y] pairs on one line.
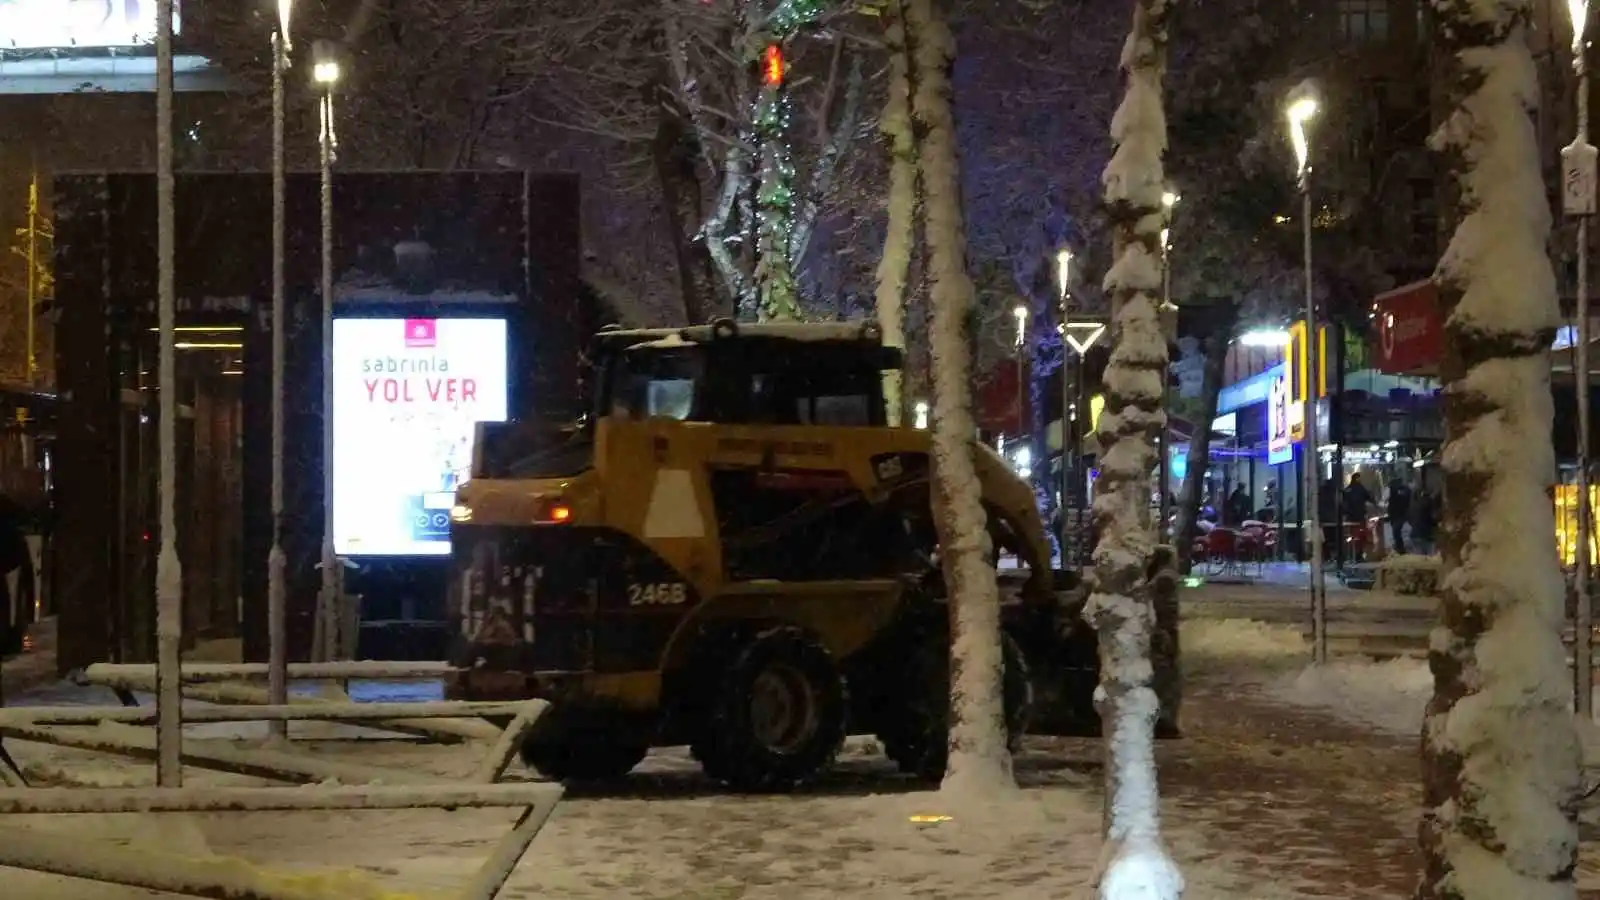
[[1409, 574], [1140, 870]]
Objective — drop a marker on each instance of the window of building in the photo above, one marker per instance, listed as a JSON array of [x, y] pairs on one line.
[[1364, 20]]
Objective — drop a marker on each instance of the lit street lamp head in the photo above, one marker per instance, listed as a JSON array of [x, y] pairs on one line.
[[1063, 271], [325, 69], [285, 7], [1301, 112], [1169, 199]]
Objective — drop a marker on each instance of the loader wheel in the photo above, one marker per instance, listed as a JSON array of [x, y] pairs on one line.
[[778, 715], [583, 760], [918, 738]]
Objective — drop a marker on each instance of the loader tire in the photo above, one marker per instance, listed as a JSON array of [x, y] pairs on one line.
[[583, 760], [917, 739], [778, 715]]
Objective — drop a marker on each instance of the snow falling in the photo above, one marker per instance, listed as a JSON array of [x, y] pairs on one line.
[[560, 165]]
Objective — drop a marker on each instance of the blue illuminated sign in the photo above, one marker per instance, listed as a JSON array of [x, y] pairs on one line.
[[1252, 390]]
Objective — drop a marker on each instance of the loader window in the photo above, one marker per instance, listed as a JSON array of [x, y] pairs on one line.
[[657, 384], [843, 399]]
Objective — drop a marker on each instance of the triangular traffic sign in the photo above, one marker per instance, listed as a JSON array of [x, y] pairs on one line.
[[1083, 335]]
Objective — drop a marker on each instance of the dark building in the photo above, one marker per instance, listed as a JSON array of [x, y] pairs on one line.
[[503, 237]]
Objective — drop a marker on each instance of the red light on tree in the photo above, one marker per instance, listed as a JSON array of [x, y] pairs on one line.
[[772, 65]]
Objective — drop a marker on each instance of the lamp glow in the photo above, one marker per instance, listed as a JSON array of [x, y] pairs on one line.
[[1169, 199], [921, 411], [1063, 271], [284, 9], [1579, 11], [1265, 337], [1300, 113], [325, 73]]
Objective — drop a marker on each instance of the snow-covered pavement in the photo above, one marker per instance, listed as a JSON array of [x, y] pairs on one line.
[[1286, 786], [667, 833]]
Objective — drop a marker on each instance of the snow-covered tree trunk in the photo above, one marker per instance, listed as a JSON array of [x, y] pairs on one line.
[[674, 153], [1135, 863], [894, 269], [1501, 759], [980, 760]]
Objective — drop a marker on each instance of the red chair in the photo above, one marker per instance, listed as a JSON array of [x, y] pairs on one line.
[[1253, 544], [1222, 551], [1357, 541]]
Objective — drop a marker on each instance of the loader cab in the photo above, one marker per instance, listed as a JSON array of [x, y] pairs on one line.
[[823, 374]]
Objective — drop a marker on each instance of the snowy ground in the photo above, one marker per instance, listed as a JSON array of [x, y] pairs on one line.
[[1287, 785], [669, 834]]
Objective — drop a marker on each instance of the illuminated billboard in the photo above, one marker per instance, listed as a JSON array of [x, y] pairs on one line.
[[407, 395], [1280, 415], [78, 24]]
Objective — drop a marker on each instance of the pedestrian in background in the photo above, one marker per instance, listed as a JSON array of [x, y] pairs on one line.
[[1399, 512]]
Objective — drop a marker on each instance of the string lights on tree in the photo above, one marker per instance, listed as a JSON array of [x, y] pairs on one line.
[[775, 197], [777, 295]]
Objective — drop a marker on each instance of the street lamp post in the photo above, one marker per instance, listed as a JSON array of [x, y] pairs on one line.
[[326, 72], [169, 573], [1300, 113], [1020, 312], [1169, 202], [1063, 295], [277, 562], [1578, 200]]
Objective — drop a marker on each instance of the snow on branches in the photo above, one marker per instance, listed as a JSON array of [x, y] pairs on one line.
[[1501, 758], [1121, 602], [894, 269]]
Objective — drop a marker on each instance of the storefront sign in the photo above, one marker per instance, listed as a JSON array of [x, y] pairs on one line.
[[1002, 402], [1410, 332], [41, 24], [1255, 389]]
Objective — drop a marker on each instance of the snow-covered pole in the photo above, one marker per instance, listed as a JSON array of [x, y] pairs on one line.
[[1301, 111], [1067, 507], [277, 562], [1121, 604], [1501, 758], [1169, 202], [326, 73], [1579, 201], [979, 762], [169, 574], [1020, 313]]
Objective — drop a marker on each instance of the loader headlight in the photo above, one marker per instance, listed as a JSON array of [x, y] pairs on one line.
[[460, 513]]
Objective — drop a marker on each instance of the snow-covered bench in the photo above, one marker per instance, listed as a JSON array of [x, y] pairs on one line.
[[1409, 574], [331, 784], [222, 877]]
